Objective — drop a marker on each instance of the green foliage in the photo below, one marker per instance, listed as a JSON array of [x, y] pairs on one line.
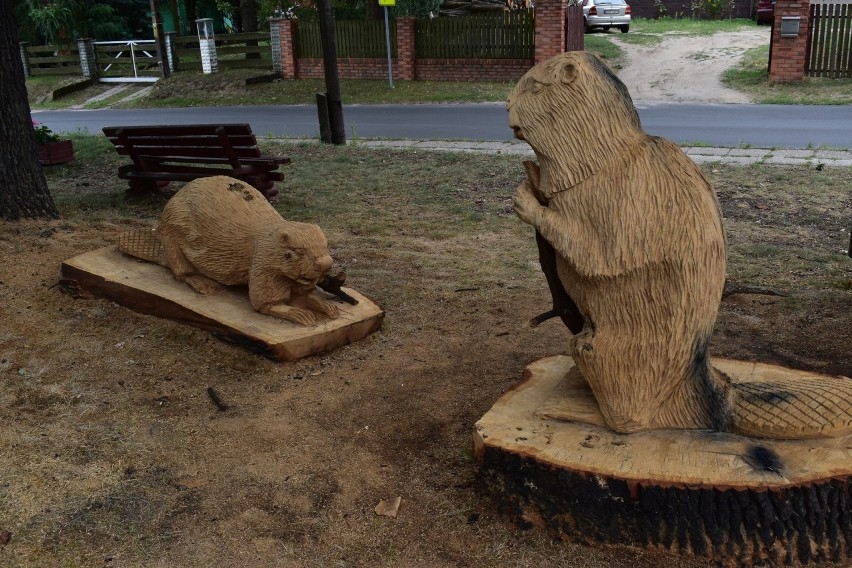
[[52, 20], [690, 26], [713, 9], [43, 134], [416, 8], [59, 22]]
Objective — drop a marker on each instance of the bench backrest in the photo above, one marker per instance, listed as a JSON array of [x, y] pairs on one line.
[[225, 141]]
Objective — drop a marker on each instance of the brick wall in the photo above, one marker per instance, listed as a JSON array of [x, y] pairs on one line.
[[422, 70], [348, 68], [549, 29], [471, 69], [788, 53]]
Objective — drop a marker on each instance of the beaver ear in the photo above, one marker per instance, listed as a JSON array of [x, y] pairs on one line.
[[567, 72]]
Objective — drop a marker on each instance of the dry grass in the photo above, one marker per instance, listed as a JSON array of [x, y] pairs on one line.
[[112, 455]]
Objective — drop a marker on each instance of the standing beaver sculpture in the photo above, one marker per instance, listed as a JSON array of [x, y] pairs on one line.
[[220, 231], [631, 235]]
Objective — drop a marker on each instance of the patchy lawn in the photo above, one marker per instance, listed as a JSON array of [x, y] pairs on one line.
[[112, 454]]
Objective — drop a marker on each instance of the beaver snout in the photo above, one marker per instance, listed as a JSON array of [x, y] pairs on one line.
[[324, 264]]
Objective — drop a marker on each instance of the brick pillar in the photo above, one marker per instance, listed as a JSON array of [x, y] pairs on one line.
[[25, 60], [283, 40], [549, 29], [289, 70], [88, 63], [788, 53], [171, 54], [405, 49]]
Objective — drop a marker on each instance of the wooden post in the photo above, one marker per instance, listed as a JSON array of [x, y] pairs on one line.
[[157, 23], [332, 81]]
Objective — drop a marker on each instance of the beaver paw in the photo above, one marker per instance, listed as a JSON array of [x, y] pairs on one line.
[[526, 204], [291, 314], [325, 307], [202, 284], [300, 316]]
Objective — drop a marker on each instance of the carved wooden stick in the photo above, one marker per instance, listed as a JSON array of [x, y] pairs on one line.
[[332, 285], [563, 306]]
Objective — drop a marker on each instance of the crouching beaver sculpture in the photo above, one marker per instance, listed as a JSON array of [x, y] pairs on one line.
[[220, 231], [631, 233]]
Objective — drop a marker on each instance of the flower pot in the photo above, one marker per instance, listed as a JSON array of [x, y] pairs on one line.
[[59, 152]]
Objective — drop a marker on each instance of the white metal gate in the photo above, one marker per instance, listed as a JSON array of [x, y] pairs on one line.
[[130, 61]]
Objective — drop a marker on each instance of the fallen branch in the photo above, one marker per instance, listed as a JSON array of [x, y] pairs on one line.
[[216, 399]]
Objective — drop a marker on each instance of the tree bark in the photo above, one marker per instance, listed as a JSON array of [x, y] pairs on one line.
[[191, 16], [248, 8], [23, 187], [373, 10]]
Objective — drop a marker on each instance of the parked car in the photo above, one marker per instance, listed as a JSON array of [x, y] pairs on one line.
[[606, 14], [765, 11]]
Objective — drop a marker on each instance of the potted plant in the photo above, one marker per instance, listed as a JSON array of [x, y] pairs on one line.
[[51, 148]]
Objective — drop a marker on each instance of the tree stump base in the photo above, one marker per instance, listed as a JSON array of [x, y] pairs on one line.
[[740, 500], [152, 289]]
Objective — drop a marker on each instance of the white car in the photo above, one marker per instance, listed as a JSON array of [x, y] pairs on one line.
[[606, 14]]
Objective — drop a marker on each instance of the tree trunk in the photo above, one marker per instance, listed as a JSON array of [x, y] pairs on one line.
[[23, 188], [373, 10], [248, 9], [191, 16]]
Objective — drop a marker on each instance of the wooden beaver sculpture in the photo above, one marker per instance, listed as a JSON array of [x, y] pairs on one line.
[[220, 231], [639, 250]]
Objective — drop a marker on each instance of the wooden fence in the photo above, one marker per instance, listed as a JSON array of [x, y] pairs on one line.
[[354, 38], [53, 60], [232, 50], [829, 48], [504, 35]]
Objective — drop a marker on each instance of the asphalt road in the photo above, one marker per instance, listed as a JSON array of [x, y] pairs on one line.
[[726, 125]]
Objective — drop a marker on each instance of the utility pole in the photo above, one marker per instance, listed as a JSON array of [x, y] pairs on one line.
[[333, 106], [159, 37]]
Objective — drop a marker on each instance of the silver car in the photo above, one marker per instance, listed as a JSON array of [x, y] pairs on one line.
[[606, 14]]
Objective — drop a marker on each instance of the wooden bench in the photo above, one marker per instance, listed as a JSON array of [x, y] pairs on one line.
[[163, 154]]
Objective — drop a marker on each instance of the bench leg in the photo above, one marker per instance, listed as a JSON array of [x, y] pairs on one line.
[[143, 186], [265, 186]]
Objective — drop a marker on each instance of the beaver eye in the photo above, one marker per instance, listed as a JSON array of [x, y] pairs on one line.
[[288, 255], [536, 87]]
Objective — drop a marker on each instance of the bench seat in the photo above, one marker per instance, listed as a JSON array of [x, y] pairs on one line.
[[162, 154]]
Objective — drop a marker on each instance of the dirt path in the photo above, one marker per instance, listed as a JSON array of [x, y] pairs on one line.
[[687, 68]]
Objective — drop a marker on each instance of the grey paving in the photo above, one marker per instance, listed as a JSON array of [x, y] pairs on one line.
[[699, 154]]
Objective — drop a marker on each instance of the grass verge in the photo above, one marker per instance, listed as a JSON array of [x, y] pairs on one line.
[[387, 194], [751, 76]]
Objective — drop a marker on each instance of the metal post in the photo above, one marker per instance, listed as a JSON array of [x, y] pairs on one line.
[[332, 81], [133, 59], [157, 23], [387, 40]]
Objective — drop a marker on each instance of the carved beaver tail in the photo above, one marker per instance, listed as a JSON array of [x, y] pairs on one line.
[[792, 407], [142, 243]]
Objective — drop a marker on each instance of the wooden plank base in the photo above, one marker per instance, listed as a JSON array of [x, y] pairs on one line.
[[694, 492], [151, 289]]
